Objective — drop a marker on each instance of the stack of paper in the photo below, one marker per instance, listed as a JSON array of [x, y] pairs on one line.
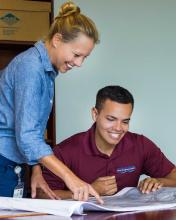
[[128, 199]]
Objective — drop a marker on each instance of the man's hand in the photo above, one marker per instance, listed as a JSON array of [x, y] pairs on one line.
[[105, 186], [149, 185], [37, 181], [80, 189]]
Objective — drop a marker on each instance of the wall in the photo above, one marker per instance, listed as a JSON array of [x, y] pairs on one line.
[[137, 51]]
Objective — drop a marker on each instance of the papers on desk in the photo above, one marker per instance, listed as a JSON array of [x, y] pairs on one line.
[[128, 199]]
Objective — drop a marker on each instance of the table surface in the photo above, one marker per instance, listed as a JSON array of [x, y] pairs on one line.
[[169, 214]]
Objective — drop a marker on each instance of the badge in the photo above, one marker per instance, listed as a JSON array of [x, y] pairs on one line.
[[19, 189]]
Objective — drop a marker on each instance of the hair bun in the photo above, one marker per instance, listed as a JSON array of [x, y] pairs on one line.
[[68, 8]]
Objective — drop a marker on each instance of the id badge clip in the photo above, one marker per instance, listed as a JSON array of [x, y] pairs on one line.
[[19, 189]]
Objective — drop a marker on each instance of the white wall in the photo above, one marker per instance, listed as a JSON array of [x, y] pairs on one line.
[[137, 51]]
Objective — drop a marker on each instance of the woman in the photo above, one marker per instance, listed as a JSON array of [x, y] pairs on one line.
[[26, 97]]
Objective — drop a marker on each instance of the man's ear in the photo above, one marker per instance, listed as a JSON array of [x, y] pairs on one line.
[[57, 38], [94, 114]]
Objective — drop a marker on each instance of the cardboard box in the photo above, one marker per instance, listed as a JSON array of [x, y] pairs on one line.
[[24, 20]]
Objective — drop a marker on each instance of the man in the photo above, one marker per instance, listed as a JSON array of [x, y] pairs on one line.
[[108, 156]]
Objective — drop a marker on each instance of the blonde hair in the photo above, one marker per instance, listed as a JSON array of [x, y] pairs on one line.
[[70, 22]]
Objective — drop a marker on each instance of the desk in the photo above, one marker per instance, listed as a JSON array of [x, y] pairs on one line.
[[153, 215], [169, 214]]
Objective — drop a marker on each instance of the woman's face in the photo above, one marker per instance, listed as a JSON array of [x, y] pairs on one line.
[[66, 55]]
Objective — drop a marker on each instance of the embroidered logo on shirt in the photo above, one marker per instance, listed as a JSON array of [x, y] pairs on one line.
[[128, 169]]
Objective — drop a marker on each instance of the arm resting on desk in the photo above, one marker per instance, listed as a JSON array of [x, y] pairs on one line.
[[105, 186], [152, 184], [170, 179], [62, 194]]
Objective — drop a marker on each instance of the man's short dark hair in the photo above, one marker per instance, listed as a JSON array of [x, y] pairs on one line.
[[113, 93]]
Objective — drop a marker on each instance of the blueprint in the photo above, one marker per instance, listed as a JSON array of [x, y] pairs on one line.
[[131, 198], [128, 199]]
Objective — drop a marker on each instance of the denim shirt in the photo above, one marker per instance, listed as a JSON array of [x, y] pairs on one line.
[[26, 97]]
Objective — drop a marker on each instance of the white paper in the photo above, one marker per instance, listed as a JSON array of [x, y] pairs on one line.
[[128, 199], [55, 207]]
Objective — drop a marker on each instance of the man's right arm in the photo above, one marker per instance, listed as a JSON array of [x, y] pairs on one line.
[[105, 186], [80, 189], [62, 194]]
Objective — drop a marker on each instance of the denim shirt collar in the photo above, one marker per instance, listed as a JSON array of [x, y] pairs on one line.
[[45, 59]]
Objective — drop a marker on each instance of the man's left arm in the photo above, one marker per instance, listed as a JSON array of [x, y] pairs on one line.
[[170, 179], [152, 184]]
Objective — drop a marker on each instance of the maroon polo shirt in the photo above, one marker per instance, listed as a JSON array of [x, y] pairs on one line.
[[133, 156]]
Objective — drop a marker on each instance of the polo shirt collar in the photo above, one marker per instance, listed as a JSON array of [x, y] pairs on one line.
[[92, 149], [40, 46]]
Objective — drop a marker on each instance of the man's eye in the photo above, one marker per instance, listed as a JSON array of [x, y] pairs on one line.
[[126, 122], [110, 119]]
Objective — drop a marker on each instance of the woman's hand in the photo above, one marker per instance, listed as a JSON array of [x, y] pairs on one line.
[[37, 181], [80, 189]]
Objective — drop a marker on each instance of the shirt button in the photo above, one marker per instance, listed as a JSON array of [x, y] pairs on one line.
[[51, 101]]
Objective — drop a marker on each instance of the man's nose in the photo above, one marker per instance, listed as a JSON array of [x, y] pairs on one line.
[[118, 126]]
